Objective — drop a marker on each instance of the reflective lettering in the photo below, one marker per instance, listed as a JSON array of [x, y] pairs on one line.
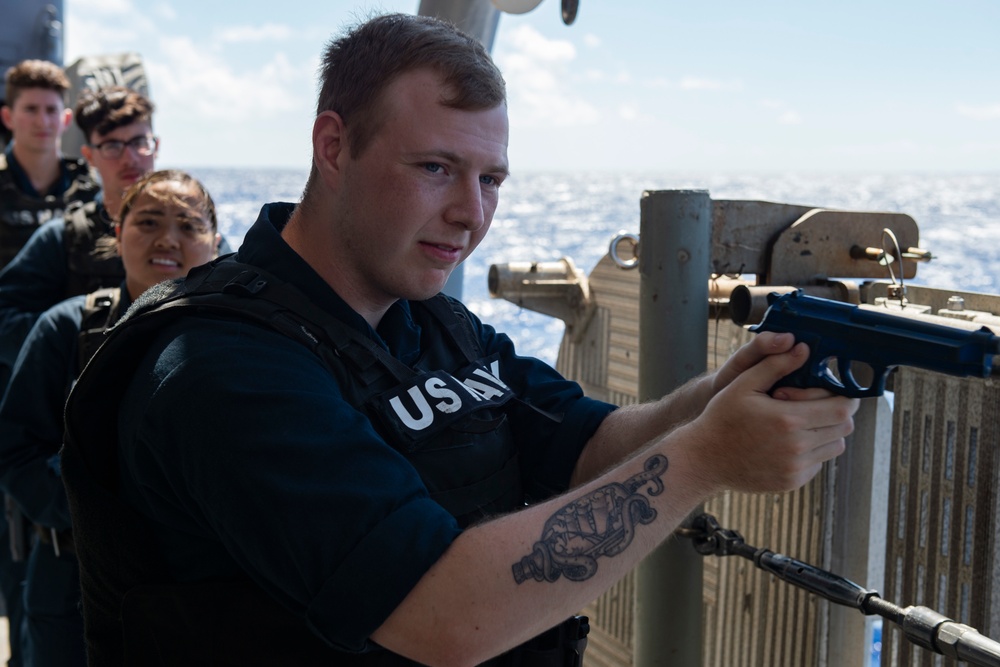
[[487, 391], [420, 422], [495, 369], [437, 388], [492, 390], [471, 391]]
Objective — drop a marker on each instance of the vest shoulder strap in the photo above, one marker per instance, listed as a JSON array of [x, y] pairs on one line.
[[455, 319], [78, 218], [99, 312]]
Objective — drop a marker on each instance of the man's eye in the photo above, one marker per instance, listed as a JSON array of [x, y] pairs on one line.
[[433, 167]]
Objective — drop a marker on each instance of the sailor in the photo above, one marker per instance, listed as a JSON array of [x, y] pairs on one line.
[[305, 454], [168, 226], [36, 181], [36, 185]]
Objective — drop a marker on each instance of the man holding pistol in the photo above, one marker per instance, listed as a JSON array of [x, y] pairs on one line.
[[365, 473]]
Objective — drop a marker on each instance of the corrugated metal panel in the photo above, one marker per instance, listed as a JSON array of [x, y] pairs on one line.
[[942, 545]]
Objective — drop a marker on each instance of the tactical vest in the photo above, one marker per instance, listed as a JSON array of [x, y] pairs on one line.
[[100, 312], [124, 580], [86, 224], [21, 214]]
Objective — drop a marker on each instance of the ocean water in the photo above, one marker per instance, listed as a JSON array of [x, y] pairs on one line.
[[544, 216]]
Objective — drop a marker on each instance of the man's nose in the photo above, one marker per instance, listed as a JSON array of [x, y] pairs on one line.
[[466, 207]]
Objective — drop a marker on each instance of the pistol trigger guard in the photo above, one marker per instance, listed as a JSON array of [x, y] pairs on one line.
[[880, 377], [844, 365], [827, 379]]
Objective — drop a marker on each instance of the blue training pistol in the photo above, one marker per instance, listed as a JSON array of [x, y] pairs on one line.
[[847, 334]]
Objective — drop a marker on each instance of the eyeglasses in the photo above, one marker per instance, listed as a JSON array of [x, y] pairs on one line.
[[144, 145]]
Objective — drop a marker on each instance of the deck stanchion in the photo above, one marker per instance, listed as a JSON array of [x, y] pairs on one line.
[[674, 265]]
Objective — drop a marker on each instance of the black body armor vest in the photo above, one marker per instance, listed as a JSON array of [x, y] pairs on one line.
[[21, 214], [134, 613], [86, 224]]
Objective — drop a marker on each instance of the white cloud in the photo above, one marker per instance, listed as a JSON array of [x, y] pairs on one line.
[[786, 115], [262, 33], [987, 112], [165, 11], [529, 42], [591, 40], [899, 147], [623, 77], [630, 113], [695, 83], [104, 26], [698, 83], [540, 81], [980, 148], [790, 118], [197, 81], [99, 7]]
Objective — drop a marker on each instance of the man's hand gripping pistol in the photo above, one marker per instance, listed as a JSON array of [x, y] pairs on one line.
[[849, 335]]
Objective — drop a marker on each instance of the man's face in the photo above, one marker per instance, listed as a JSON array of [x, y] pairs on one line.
[[421, 196], [37, 120], [118, 173]]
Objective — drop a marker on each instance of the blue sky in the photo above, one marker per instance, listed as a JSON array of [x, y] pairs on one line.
[[716, 85]]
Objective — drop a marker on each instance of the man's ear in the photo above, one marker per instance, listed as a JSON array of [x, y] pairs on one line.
[[5, 116], [329, 140], [88, 154]]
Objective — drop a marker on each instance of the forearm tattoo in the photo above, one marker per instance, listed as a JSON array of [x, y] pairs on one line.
[[602, 523]]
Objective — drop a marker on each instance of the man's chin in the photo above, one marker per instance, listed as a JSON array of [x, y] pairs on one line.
[[426, 291]]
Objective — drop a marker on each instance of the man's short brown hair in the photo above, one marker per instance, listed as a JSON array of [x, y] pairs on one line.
[[29, 74], [359, 66], [109, 108]]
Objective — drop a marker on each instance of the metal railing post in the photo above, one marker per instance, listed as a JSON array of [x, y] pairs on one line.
[[674, 266]]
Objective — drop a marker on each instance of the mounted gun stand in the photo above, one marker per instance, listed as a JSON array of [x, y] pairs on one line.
[[922, 626]]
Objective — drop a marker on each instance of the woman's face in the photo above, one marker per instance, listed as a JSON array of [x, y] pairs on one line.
[[166, 233]]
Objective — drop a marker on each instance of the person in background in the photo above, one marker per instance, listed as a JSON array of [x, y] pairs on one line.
[[167, 226], [305, 454], [36, 185], [36, 181]]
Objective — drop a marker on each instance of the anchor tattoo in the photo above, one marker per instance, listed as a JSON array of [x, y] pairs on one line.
[[601, 523]]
